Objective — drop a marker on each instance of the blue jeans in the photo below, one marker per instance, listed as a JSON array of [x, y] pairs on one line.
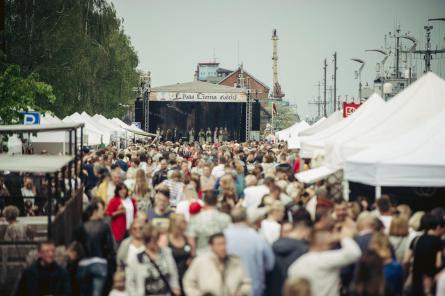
[[92, 279]]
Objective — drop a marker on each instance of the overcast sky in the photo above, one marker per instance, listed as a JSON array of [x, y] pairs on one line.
[[172, 36]]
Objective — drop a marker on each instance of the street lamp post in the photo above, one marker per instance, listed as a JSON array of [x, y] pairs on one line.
[[359, 74]]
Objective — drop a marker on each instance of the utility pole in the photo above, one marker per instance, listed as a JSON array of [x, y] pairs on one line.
[[335, 81], [317, 101], [397, 51], [324, 88], [359, 76], [428, 52]]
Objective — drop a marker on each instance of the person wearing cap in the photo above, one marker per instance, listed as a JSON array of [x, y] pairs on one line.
[[190, 196], [209, 221]]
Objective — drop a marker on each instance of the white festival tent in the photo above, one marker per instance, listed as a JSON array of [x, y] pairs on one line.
[[315, 144], [293, 130], [317, 127], [111, 131], [414, 159], [293, 142], [137, 131], [416, 104], [50, 137], [93, 135], [53, 142], [111, 124], [366, 115], [319, 121]]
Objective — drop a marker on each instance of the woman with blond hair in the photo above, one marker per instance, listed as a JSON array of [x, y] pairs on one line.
[[297, 287], [189, 195], [227, 198], [177, 242], [141, 191], [398, 236], [392, 269]]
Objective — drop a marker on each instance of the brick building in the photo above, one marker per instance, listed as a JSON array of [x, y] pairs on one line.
[[259, 91]]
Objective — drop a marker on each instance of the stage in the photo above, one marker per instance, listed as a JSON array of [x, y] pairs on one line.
[[199, 105]]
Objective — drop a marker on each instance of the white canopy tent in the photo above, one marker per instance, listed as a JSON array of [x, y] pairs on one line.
[[293, 142], [106, 130], [51, 137], [317, 127], [93, 135], [414, 159], [285, 134], [315, 144], [132, 128], [111, 124], [319, 121], [416, 104]]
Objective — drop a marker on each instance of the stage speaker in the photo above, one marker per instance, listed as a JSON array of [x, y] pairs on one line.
[[256, 118], [139, 111]]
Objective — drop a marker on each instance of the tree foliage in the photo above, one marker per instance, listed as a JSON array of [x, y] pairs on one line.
[[20, 93], [77, 46], [285, 118]]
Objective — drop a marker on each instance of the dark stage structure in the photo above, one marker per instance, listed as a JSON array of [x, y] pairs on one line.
[[198, 105]]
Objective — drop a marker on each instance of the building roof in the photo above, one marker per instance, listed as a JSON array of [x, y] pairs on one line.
[[198, 87], [33, 163], [247, 73], [39, 127], [222, 70], [208, 63]]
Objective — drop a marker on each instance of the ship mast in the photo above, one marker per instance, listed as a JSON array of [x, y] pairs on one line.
[[276, 91]]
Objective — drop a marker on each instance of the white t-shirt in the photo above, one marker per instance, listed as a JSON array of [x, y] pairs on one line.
[[322, 269], [253, 195], [218, 171], [386, 220], [129, 210], [270, 230], [115, 292], [133, 252]]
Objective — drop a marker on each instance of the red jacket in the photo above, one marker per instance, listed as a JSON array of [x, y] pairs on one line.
[[119, 222]]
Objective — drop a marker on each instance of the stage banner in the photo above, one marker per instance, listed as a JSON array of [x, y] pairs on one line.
[[349, 108], [199, 97]]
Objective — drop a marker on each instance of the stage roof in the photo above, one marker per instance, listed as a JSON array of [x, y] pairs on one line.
[[198, 86]]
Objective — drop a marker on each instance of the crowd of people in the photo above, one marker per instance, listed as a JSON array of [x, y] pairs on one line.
[[218, 135], [230, 218]]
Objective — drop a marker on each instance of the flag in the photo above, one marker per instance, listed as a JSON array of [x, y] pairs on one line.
[[274, 109]]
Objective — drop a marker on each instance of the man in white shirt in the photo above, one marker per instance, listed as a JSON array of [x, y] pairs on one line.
[[271, 227], [321, 266], [385, 211], [253, 193], [218, 171]]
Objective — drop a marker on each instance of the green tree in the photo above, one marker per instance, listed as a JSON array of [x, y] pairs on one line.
[[19, 93], [285, 118], [77, 46]]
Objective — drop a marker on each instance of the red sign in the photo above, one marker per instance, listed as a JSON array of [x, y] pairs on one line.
[[349, 108]]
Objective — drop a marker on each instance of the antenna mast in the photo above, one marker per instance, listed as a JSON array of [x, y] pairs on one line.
[[324, 87], [335, 81], [276, 91]]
